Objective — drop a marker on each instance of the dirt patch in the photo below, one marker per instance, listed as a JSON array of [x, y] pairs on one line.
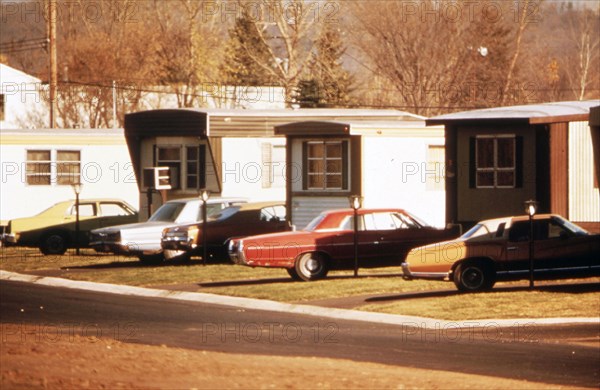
[[72, 361]]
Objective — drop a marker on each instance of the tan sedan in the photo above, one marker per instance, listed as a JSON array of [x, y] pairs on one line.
[[499, 249]]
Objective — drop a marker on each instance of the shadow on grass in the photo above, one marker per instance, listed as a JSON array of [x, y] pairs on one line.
[[247, 282], [134, 263], [569, 288], [250, 282]]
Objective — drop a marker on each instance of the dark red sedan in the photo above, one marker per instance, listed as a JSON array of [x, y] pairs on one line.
[[384, 238]]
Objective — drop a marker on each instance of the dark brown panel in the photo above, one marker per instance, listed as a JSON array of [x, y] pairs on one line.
[[559, 169], [175, 122], [451, 175]]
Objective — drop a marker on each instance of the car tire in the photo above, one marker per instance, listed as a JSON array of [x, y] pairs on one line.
[[176, 255], [54, 243], [311, 266], [151, 259], [293, 274], [473, 276]]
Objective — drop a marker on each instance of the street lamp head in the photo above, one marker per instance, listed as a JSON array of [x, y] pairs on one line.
[[355, 202], [531, 207], [204, 195], [77, 187]]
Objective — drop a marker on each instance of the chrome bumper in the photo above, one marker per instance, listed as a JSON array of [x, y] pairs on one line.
[[8, 239], [109, 247], [178, 243], [406, 272]]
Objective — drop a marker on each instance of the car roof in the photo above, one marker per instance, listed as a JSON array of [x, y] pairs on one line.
[[94, 200], [364, 211], [517, 218], [216, 199], [259, 205]]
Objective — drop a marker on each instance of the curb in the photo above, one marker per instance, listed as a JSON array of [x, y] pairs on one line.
[[273, 306]]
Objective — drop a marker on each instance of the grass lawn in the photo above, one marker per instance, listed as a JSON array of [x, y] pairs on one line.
[[425, 298]]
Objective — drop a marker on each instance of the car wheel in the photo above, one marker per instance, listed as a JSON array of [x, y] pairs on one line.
[[54, 244], [152, 259], [176, 255], [311, 266], [473, 276], [293, 274]]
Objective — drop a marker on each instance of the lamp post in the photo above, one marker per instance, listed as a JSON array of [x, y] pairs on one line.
[[530, 209], [77, 186], [204, 195], [355, 203]]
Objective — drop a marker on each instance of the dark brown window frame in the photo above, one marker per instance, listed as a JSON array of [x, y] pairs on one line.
[[344, 159]]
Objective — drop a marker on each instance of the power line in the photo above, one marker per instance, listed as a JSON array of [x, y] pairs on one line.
[[129, 88], [24, 45]]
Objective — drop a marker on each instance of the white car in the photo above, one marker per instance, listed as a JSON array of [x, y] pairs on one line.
[[143, 239]]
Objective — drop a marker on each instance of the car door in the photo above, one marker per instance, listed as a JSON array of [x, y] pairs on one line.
[[88, 219], [380, 240], [554, 248], [517, 248], [560, 250]]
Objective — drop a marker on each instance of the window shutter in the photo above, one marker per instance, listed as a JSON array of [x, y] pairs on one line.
[[304, 165], [267, 164], [518, 162], [345, 165], [202, 166], [472, 162]]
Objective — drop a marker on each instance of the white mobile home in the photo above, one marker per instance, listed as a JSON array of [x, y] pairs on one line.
[[39, 166], [388, 163]]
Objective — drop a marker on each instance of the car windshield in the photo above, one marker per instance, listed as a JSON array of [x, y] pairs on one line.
[[168, 212], [576, 230]]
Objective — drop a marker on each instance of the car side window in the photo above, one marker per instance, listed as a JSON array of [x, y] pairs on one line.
[[403, 221], [112, 210], [280, 212], [85, 210], [555, 230], [520, 230], [500, 231], [272, 214], [380, 221]]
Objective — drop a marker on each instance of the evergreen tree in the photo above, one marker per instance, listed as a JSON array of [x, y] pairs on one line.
[[328, 84], [244, 54]]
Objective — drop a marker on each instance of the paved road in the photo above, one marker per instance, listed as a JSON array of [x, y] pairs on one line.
[[560, 355]]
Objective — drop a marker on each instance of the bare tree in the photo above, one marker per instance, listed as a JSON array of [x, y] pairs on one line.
[[190, 49], [583, 34], [525, 14], [432, 61], [97, 54]]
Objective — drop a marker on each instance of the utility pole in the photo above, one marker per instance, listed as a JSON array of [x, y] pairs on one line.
[[53, 59], [114, 108]]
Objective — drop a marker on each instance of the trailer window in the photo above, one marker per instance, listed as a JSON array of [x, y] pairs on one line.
[[325, 165]]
